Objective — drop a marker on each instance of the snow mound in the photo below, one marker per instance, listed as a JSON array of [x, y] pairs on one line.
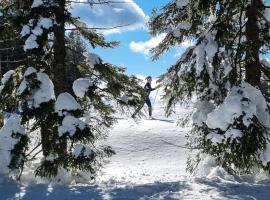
[[70, 125], [243, 99], [29, 71], [7, 76], [31, 42], [203, 108], [81, 150], [66, 102], [92, 59], [43, 94], [209, 169], [81, 86], [8, 139], [36, 3], [34, 31], [182, 3], [25, 30]]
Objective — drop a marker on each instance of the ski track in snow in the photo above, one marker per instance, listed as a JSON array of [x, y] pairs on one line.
[[144, 167]]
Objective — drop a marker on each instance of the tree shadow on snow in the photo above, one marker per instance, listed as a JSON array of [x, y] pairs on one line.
[[238, 191], [165, 120], [169, 190], [47, 192]]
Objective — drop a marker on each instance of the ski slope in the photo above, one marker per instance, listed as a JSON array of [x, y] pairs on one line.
[[146, 167]]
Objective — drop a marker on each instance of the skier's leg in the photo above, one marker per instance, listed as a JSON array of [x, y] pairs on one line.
[[148, 102], [150, 111]]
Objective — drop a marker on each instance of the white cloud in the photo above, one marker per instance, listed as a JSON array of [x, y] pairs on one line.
[[128, 14], [145, 47]]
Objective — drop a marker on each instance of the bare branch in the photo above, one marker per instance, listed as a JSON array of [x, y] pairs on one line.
[[97, 28], [12, 61], [97, 3]]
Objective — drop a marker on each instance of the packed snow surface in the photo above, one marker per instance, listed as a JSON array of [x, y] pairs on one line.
[[149, 164]]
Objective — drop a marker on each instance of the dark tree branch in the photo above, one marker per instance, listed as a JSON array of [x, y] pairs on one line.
[[96, 28], [97, 3]]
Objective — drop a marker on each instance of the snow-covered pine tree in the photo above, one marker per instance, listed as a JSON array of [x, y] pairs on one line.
[[61, 126], [224, 70], [11, 45]]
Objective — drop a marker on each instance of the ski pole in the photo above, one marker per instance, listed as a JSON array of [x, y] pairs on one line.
[[155, 97]]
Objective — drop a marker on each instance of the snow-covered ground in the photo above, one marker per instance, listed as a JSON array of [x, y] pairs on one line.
[[146, 166]]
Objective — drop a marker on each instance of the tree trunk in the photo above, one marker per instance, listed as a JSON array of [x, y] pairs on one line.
[[253, 73], [59, 73], [59, 69]]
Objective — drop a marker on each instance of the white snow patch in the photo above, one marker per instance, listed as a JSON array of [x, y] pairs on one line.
[[266, 14], [43, 94], [31, 42], [203, 108], [244, 99], [36, 3], [220, 173], [7, 76], [37, 31], [81, 149], [8, 141], [200, 58], [233, 133], [45, 22], [181, 3], [66, 102], [70, 125], [215, 138], [125, 99], [29, 71], [81, 86], [51, 157], [92, 59], [25, 30], [211, 48]]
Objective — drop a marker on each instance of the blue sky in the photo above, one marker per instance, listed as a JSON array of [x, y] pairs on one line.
[[136, 15], [135, 41]]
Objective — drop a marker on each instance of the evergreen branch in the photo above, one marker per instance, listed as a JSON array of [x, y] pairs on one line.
[[22, 167], [264, 69], [239, 40], [265, 19]]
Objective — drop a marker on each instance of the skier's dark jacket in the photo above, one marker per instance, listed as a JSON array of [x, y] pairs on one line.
[[148, 88]]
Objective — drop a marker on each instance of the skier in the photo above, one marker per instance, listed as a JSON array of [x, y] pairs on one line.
[[147, 89]]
